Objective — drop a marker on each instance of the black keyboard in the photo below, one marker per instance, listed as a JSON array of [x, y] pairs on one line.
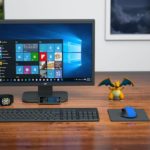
[[49, 115]]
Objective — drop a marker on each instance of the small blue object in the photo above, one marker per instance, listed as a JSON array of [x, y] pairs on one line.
[[19, 69], [19, 56], [19, 48], [27, 56], [34, 69], [129, 112]]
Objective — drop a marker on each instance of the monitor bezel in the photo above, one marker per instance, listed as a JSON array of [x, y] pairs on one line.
[[69, 83]]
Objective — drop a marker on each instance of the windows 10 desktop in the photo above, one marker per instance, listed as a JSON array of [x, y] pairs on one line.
[[46, 52]]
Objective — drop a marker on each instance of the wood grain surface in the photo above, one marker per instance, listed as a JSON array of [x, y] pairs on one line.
[[102, 135]]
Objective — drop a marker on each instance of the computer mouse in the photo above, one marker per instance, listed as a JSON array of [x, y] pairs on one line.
[[129, 112]]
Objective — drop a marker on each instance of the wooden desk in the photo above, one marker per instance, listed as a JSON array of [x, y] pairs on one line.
[[103, 135]]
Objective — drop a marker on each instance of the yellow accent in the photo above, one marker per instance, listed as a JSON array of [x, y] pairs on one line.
[[117, 84], [121, 96], [116, 93], [111, 97]]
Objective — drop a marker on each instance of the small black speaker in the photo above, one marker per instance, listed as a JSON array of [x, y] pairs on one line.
[[6, 99]]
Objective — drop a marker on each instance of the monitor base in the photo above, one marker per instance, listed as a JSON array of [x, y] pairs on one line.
[[34, 97], [43, 91]]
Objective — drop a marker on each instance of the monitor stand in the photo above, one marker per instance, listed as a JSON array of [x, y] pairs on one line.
[[43, 91]]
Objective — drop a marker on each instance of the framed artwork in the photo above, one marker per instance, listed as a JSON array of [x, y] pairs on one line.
[[1, 9], [127, 19]]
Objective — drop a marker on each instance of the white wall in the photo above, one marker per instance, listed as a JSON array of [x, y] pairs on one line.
[[110, 56]]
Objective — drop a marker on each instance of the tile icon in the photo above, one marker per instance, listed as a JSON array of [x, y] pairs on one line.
[[58, 56], [51, 48], [43, 47], [19, 56], [50, 73], [19, 69], [43, 56], [19, 47], [32, 47], [58, 73], [34, 56], [43, 73], [34, 69], [27, 56], [27, 69], [58, 65], [43, 65], [58, 47], [50, 65], [50, 56]]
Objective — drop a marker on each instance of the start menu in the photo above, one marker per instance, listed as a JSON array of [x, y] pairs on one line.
[[31, 60]]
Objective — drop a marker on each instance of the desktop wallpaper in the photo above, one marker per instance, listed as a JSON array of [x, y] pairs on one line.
[[76, 37]]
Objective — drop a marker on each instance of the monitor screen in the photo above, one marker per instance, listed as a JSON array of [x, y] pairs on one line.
[[37, 52]]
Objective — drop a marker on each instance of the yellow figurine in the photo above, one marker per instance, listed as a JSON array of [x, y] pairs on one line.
[[116, 88]]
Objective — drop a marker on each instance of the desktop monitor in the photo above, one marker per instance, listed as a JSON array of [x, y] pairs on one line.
[[46, 53]]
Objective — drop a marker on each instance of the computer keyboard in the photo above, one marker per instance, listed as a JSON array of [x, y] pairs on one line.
[[49, 115]]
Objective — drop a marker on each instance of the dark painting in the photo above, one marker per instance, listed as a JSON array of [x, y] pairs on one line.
[[1, 9], [130, 17]]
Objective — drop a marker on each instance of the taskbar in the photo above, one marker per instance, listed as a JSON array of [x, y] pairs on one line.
[[45, 79]]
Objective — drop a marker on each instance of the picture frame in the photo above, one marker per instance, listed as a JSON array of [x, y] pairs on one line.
[[139, 32], [2, 12]]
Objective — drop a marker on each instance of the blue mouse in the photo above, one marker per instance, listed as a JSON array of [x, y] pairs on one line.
[[128, 112]]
